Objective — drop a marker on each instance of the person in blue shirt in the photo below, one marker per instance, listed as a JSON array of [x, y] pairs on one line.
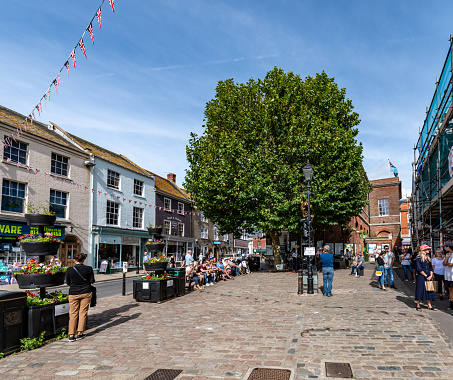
[[327, 270]]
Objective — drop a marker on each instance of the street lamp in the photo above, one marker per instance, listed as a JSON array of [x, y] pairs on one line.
[[308, 173]]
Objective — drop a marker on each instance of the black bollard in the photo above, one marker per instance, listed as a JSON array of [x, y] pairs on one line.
[[124, 283], [138, 269], [300, 286]]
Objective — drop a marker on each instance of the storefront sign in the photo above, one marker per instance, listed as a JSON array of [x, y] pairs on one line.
[[110, 239], [309, 251], [127, 240], [14, 229], [217, 242]]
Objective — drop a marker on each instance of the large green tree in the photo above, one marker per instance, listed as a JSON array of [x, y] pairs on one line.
[[245, 170]]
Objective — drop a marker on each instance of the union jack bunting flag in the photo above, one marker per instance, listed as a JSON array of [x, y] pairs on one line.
[[98, 16], [67, 67], [73, 57], [82, 46], [112, 5], [90, 30]]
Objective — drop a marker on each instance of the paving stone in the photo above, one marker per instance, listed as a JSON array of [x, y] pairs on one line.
[[67, 373]]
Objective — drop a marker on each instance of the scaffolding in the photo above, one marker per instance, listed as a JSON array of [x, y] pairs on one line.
[[432, 183]]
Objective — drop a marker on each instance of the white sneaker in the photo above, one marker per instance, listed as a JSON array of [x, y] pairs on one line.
[[406, 280]]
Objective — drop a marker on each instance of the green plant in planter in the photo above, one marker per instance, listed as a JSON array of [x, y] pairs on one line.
[[27, 344], [151, 242], [42, 210], [34, 299], [156, 259], [62, 335], [150, 277], [33, 267], [151, 226], [30, 238]]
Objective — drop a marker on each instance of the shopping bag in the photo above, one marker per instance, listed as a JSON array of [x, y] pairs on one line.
[[431, 286]]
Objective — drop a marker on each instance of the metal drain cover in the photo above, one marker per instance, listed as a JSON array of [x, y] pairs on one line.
[[164, 374], [342, 370], [269, 374]]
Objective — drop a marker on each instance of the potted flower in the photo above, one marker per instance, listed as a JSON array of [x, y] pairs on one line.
[[156, 263], [153, 288], [49, 314], [39, 275], [156, 230], [155, 245], [38, 245], [39, 216]]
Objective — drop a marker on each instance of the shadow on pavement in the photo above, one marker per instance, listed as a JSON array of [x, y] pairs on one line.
[[115, 323], [104, 317]]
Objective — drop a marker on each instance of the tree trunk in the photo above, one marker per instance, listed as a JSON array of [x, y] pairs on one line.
[[276, 248]]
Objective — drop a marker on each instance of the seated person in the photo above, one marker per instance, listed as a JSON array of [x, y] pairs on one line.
[[359, 265], [191, 276], [203, 268], [198, 273]]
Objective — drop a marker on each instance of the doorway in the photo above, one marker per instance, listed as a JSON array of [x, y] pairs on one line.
[[69, 248]]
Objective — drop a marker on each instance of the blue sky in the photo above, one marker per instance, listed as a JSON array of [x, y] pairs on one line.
[[155, 64]]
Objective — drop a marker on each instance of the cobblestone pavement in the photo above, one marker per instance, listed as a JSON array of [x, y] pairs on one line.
[[253, 321]]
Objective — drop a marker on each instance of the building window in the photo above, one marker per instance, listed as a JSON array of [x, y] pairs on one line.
[[59, 165], [204, 219], [180, 229], [204, 233], [180, 208], [13, 196], [225, 237], [167, 227], [16, 152], [216, 233], [113, 179], [383, 207], [259, 243], [137, 218], [167, 204], [58, 203], [138, 187], [113, 211]]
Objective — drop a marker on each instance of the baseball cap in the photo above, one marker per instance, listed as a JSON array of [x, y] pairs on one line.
[[425, 247], [448, 244]]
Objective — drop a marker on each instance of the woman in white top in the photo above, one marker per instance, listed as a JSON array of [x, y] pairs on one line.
[[406, 263], [448, 274], [439, 269]]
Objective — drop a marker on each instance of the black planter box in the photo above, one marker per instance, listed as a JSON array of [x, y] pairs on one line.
[[49, 318], [40, 280], [41, 248], [153, 290], [36, 220], [179, 275], [159, 247], [156, 266], [155, 231], [13, 320]]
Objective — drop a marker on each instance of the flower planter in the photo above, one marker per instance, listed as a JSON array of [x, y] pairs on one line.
[[13, 320], [156, 266], [36, 220], [158, 247], [155, 231], [153, 290], [179, 276], [40, 280], [50, 318], [41, 248]]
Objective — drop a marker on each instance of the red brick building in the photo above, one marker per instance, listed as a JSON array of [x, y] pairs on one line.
[[385, 220]]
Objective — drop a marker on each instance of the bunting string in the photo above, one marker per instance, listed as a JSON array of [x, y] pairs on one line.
[[28, 121]]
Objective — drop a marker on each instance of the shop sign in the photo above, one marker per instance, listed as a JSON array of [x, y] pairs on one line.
[[18, 229], [217, 242], [128, 240], [110, 239]]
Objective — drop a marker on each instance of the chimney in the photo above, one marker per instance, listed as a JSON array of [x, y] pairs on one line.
[[171, 177]]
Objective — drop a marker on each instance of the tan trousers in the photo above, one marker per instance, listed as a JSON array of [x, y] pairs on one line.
[[78, 310]]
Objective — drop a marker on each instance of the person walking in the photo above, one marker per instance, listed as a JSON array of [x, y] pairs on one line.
[[79, 279], [424, 274], [405, 259], [389, 260], [448, 273], [437, 263], [327, 271], [380, 268]]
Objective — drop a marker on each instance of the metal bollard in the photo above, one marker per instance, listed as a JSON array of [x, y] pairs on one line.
[[138, 269], [300, 289], [124, 283]]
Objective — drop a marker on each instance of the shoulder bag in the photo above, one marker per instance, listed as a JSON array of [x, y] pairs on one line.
[[431, 286], [378, 273], [93, 289]]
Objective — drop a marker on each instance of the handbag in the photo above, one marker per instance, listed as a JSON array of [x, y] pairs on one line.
[[92, 288], [431, 286], [379, 273]]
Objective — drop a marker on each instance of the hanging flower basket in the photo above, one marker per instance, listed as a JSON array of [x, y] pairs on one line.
[[40, 248], [153, 266], [155, 231], [40, 280], [36, 220]]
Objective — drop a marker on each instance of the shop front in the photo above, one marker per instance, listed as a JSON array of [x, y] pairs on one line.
[[177, 245], [11, 230], [115, 247]]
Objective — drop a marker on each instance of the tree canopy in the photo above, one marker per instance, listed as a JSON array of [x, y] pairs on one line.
[[245, 170]]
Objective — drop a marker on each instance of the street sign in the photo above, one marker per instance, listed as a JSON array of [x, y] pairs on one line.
[[310, 251]]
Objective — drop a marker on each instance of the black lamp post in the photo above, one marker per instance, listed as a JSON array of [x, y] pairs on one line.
[[308, 173]]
